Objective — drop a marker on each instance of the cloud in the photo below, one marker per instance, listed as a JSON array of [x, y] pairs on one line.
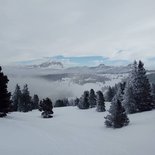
[[36, 28]]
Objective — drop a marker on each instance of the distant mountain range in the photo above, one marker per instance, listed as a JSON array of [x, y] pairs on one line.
[[66, 62], [80, 65], [48, 64]]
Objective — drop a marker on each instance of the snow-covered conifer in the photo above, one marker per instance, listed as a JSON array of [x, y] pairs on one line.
[[35, 101], [76, 101], [26, 103], [143, 92], [137, 97], [129, 102], [153, 93], [16, 98], [47, 107], [84, 101], [109, 94], [100, 102], [92, 98], [117, 117], [5, 102]]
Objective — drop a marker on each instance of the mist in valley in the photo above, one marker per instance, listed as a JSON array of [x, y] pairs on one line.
[[55, 89]]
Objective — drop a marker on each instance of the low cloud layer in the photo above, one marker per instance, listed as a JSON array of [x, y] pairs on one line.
[[114, 29]]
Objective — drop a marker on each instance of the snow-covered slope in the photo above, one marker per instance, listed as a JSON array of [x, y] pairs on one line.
[[75, 132]]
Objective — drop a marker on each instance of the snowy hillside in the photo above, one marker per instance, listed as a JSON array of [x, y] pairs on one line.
[[73, 61], [75, 132]]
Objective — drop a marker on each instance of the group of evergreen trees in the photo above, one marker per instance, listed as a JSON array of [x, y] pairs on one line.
[[137, 93], [111, 92], [22, 101], [61, 103], [134, 95], [91, 100]]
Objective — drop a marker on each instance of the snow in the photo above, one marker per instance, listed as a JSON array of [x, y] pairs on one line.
[[75, 132]]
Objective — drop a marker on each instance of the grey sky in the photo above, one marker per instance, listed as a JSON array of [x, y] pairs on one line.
[[118, 29]]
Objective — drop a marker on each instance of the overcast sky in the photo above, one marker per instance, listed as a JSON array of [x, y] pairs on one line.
[[118, 29]]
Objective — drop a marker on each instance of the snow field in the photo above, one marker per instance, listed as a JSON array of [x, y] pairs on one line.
[[75, 132]]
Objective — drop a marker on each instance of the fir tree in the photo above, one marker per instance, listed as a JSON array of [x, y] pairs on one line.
[[153, 93], [76, 101], [5, 102], [35, 101], [71, 102], [92, 98], [117, 117], [100, 102], [26, 103], [65, 102], [137, 97], [129, 102], [117, 89], [120, 91], [143, 92], [59, 103], [47, 107], [16, 98], [84, 101], [110, 94]]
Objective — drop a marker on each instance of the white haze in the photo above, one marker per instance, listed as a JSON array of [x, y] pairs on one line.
[[53, 89], [45, 88]]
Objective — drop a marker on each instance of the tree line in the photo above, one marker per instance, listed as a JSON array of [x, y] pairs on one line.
[[21, 100], [90, 99]]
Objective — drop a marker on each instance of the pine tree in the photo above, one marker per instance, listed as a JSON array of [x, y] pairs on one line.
[[117, 117], [26, 103], [84, 101], [110, 94], [120, 91], [35, 101], [92, 98], [16, 98], [100, 102], [65, 102], [5, 102], [47, 107], [153, 93], [129, 102], [71, 102], [143, 92], [76, 101], [137, 97], [59, 103]]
